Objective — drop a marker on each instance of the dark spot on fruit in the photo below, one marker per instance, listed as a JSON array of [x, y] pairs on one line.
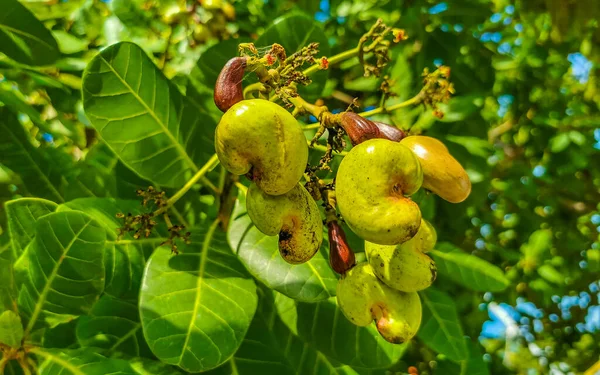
[[381, 265], [284, 235], [433, 270]]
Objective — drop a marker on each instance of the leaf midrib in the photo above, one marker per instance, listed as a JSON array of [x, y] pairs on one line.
[[50, 279], [152, 113], [200, 281]]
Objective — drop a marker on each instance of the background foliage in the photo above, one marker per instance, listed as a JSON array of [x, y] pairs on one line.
[[518, 261]]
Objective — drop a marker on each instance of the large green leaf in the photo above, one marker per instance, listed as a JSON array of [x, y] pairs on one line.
[[197, 306], [23, 38], [114, 325], [22, 215], [285, 31], [310, 281], [468, 270], [64, 273], [85, 361], [125, 258], [143, 118], [39, 174], [11, 329], [441, 329]]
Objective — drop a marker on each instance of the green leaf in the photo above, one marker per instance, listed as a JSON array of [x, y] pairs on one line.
[[468, 270], [22, 215], [311, 281], [64, 272], [114, 325], [143, 118], [38, 173], [285, 31], [474, 365], [198, 304], [83, 361], [124, 258], [62, 336], [441, 329], [23, 38], [11, 329]]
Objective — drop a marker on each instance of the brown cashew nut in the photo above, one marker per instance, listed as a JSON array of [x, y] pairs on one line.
[[359, 129], [341, 256], [228, 89]]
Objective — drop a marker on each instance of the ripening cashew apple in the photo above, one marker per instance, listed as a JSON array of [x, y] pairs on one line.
[[372, 185], [363, 298], [260, 138], [294, 216], [405, 266], [442, 173]]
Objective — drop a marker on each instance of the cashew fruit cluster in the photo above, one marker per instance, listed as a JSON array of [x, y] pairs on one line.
[[373, 188], [263, 141]]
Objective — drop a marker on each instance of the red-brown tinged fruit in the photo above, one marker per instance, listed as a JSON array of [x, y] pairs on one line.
[[228, 89], [341, 257], [359, 129]]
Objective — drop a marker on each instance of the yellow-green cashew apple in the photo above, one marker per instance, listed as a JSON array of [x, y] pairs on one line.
[[442, 173], [362, 297], [260, 138], [372, 185], [294, 216], [405, 266]]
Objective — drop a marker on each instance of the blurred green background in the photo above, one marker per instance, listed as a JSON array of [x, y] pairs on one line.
[[524, 122]]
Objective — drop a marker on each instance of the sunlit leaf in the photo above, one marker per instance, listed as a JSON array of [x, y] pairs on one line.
[[143, 117], [198, 304], [64, 272]]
